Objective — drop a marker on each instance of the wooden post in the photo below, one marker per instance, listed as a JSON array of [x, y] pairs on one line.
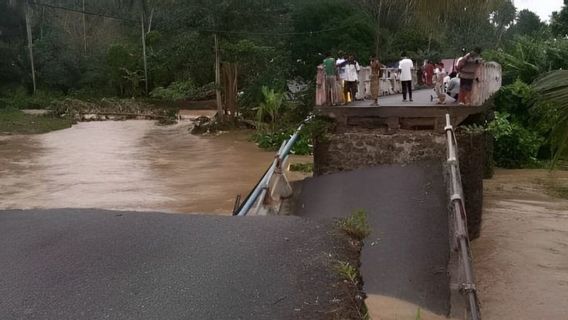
[[144, 51], [218, 79], [84, 31], [30, 43]]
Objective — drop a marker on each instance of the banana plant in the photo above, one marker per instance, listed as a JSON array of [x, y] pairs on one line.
[[270, 109]]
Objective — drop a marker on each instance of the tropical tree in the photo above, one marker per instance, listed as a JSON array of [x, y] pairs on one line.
[[503, 17], [527, 23], [559, 22], [436, 19], [553, 87]]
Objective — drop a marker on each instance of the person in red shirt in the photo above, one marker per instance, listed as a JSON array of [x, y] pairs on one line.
[[428, 73]]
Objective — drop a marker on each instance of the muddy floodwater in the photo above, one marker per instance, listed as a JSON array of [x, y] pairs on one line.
[[521, 259], [130, 165]]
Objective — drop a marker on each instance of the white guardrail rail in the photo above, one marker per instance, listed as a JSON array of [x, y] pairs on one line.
[[461, 237], [267, 195]]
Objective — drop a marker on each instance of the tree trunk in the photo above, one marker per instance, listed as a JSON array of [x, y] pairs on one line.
[[84, 31], [144, 51], [378, 44], [30, 43], [150, 20], [218, 79]]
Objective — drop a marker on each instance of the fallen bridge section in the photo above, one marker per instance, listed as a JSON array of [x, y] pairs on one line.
[[92, 264], [406, 256]]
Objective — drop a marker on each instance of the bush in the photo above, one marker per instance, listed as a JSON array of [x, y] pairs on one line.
[[273, 142], [516, 100], [183, 90], [515, 146], [175, 91]]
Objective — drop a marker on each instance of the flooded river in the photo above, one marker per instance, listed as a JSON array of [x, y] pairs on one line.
[[521, 259], [131, 165]]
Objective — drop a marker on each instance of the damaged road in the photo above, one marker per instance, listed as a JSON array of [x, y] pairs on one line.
[[94, 264]]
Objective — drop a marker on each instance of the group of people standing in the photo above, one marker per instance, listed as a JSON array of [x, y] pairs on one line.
[[342, 78]]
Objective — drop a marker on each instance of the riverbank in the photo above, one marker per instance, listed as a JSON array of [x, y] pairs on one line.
[[57, 114], [520, 259], [18, 122]]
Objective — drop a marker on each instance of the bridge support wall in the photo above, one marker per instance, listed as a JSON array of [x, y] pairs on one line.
[[348, 151]]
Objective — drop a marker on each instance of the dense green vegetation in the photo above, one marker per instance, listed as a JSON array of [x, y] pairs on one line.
[[530, 126], [271, 41], [165, 51]]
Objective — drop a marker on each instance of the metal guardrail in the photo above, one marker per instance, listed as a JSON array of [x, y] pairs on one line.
[[256, 198], [468, 288]]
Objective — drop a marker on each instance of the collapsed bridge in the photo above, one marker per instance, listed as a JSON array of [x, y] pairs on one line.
[[422, 193]]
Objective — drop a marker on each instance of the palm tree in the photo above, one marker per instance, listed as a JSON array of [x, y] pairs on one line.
[[553, 87]]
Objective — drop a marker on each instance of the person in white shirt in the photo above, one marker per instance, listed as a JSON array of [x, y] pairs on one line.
[[352, 69], [405, 66], [340, 63]]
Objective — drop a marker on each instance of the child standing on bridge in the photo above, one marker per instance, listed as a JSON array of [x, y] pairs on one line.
[[438, 79]]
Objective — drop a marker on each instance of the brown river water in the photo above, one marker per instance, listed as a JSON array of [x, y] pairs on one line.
[[130, 165], [521, 259]]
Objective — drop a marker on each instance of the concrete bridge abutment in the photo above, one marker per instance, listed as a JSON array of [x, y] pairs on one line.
[[349, 149]]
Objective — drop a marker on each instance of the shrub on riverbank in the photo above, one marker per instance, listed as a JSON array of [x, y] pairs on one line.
[[515, 145]]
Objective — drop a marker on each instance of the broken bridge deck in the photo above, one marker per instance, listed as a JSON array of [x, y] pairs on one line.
[[393, 113]]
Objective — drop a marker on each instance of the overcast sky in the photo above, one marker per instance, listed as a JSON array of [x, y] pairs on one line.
[[543, 8]]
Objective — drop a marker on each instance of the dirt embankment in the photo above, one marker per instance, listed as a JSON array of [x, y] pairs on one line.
[[521, 259]]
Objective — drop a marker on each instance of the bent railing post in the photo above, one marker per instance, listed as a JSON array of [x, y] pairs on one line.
[[273, 181], [461, 237]]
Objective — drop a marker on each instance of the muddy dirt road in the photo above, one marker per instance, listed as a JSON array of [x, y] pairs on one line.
[[521, 259], [130, 165]]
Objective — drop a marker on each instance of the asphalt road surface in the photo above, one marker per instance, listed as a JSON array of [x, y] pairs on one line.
[[92, 264], [407, 254]]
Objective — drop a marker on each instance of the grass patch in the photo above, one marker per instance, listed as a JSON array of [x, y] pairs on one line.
[[302, 167], [356, 226], [17, 122], [348, 272]]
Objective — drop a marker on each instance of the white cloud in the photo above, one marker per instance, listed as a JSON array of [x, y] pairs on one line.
[[543, 8]]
